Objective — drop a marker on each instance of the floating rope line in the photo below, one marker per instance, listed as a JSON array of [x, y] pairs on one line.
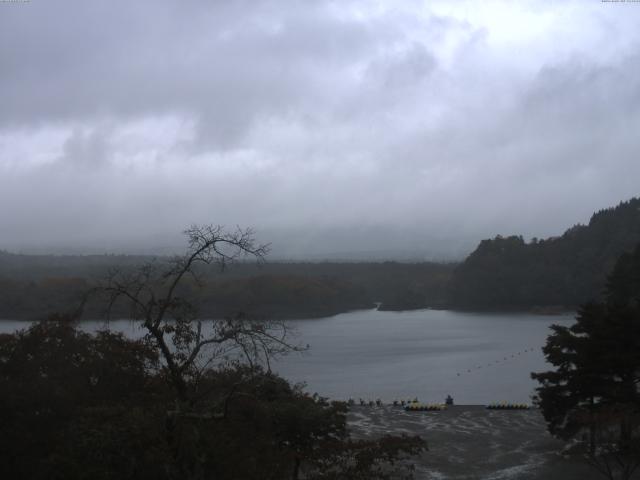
[[508, 406], [497, 362]]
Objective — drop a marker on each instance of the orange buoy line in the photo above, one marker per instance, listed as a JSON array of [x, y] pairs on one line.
[[417, 406]]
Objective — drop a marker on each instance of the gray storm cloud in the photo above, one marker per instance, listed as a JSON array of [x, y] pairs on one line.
[[331, 127]]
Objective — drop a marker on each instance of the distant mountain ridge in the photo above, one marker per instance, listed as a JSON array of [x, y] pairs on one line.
[[565, 271]]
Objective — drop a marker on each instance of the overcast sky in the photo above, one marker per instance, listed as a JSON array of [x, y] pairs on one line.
[[394, 128]]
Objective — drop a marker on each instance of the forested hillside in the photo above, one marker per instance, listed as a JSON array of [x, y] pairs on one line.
[[508, 272], [502, 273], [33, 286]]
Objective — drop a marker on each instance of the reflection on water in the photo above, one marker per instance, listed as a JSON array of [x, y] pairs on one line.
[[477, 358]]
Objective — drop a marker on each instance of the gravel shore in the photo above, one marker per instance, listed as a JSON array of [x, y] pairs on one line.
[[471, 442]]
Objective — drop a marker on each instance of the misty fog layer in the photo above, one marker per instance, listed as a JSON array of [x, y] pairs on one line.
[[348, 129]]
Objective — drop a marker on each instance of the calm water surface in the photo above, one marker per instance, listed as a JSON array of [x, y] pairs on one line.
[[478, 358]]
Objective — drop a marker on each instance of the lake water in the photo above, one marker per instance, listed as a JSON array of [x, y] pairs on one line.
[[477, 358]]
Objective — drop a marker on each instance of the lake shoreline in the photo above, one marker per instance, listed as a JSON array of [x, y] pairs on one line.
[[542, 310]]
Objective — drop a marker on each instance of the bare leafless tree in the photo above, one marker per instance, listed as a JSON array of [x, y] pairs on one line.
[[187, 343]]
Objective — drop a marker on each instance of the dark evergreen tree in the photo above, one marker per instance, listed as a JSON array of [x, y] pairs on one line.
[[593, 391]]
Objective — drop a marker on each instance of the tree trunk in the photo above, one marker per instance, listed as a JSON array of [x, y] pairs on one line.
[[296, 468], [592, 432]]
